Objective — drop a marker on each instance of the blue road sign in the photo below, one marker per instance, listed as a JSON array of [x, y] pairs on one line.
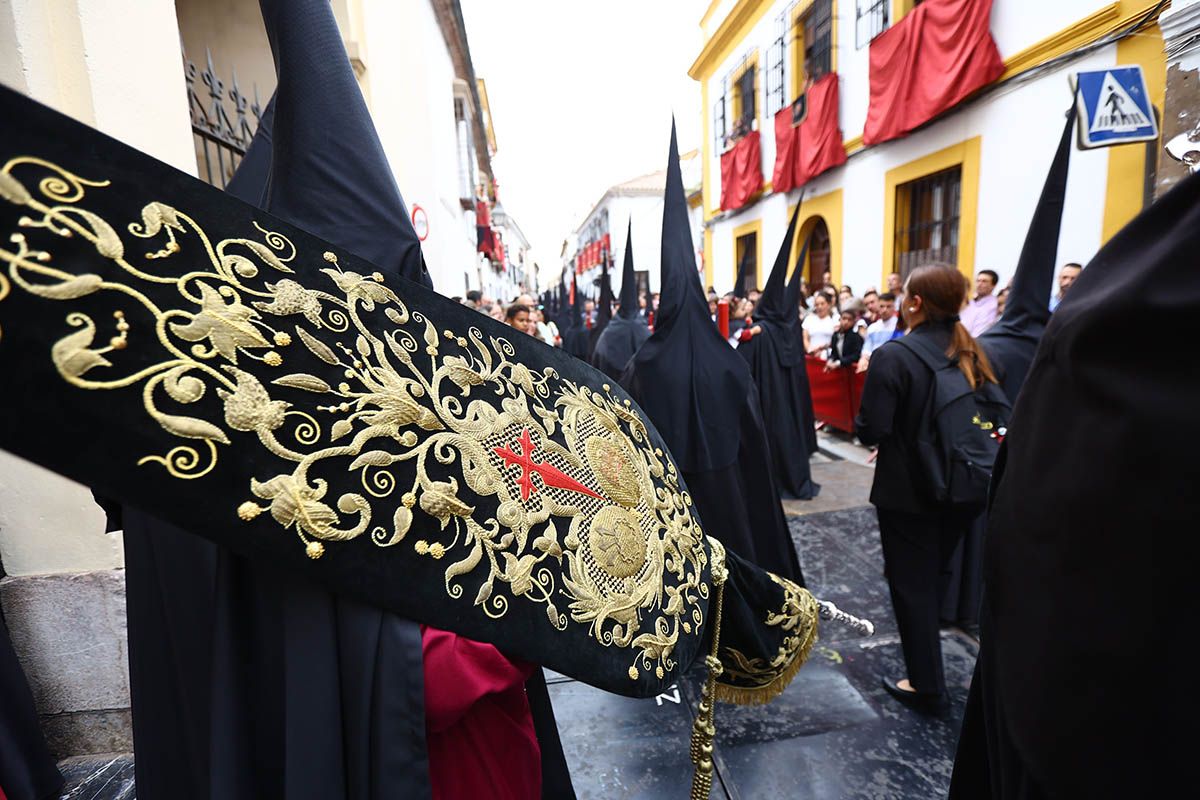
[[1114, 107]]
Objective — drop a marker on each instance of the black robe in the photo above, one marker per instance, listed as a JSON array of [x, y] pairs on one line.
[[787, 408], [251, 684], [700, 396], [623, 335], [1077, 691], [27, 771], [777, 364]]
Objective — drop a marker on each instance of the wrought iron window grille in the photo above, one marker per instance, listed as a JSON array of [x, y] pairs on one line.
[[872, 17], [927, 220], [220, 139]]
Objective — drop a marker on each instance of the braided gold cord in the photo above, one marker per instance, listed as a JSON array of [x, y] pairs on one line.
[[704, 730]]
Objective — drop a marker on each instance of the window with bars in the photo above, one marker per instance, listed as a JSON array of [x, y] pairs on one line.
[[745, 95], [814, 39], [927, 213], [872, 18], [776, 93]]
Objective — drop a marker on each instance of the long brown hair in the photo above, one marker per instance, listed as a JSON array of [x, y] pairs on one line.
[[943, 291]]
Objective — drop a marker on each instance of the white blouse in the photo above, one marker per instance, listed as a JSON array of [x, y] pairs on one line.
[[820, 331]]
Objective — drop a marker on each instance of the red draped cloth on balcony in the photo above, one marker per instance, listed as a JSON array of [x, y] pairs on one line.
[[941, 52], [804, 151], [741, 172]]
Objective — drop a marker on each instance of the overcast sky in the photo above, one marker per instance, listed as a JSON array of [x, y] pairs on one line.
[[581, 95]]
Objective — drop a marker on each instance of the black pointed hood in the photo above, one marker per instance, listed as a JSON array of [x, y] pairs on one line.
[[575, 339], [604, 307], [686, 377], [793, 287], [329, 173], [249, 182], [772, 304], [625, 334], [629, 293], [744, 276], [1011, 342]]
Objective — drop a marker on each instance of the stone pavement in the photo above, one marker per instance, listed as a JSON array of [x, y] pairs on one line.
[[835, 734]]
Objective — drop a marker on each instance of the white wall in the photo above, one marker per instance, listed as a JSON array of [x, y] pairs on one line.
[[1019, 125], [87, 59], [412, 88], [1019, 128]]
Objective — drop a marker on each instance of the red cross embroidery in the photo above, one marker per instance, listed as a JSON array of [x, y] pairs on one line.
[[551, 476]]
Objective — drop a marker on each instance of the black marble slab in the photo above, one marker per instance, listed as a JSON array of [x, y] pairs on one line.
[[98, 777], [619, 748], [835, 733], [842, 562]]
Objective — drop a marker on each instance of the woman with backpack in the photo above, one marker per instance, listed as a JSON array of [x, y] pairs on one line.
[[933, 407]]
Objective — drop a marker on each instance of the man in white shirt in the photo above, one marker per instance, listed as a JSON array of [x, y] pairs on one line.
[[981, 312], [883, 328]]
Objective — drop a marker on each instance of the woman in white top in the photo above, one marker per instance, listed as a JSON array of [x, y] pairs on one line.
[[818, 326]]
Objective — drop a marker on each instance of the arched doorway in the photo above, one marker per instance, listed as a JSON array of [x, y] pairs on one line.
[[816, 232]]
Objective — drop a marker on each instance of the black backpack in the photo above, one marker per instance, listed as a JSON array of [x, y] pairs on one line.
[[963, 429]]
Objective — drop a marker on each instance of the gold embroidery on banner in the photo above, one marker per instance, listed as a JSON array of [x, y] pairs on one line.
[[570, 472], [753, 681]]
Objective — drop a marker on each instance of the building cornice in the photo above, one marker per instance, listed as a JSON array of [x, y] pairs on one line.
[[732, 31]]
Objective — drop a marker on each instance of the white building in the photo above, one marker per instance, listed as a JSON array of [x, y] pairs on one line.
[[978, 168], [118, 66], [638, 201]]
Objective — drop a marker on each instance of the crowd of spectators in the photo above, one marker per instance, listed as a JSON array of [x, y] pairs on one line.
[[843, 329], [527, 315], [839, 327]]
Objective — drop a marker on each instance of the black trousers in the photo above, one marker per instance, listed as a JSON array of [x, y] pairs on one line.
[[917, 549]]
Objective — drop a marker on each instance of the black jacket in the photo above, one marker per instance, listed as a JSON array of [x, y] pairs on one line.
[[891, 416], [849, 352]]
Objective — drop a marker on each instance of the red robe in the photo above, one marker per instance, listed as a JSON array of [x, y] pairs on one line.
[[478, 725]]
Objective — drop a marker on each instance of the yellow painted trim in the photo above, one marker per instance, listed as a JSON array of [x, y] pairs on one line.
[[833, 37], [732, 32], [965, 154], [1092, 27], [706, 153], [795, 37], [708, 257], [1125, 189], [853, 145], [829, 207], [754, 226], [899, 9], [708, 12], [487, 112]]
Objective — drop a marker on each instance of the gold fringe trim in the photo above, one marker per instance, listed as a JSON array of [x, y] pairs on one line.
[[762, 694]]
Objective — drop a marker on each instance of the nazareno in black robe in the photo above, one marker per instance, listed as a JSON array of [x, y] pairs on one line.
[[700, 396], [251, 684], [1077, 691], [576, 339], [776, 360], [624, 334], [27, 770], [1010, 345]]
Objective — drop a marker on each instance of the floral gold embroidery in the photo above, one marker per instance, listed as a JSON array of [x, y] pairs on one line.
[[505, 471]]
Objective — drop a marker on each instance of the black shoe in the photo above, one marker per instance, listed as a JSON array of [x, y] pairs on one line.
[[934, 705]]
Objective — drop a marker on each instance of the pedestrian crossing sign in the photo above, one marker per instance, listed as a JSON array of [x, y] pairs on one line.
[[1114, 107]]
